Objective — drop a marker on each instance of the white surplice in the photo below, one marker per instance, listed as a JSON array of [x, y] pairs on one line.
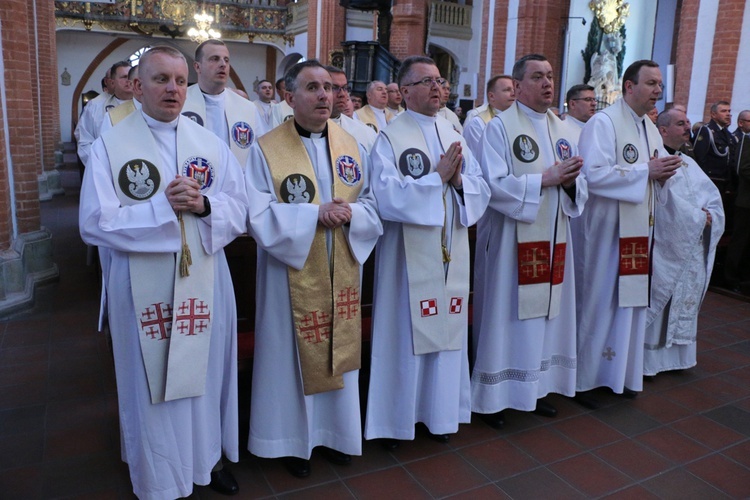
[[519, 361], [473, 131], [404, 388], [610, 338], [283, 421], [89, 125], [364, 134], [682, 268], [171, 445]]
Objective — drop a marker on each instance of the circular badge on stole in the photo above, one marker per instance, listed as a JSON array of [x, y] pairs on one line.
[[139, 179], [414, 163], [242, 134], [199, 169], [629, 153], [297, 188], [563, 148], [525, 148], [348, 170], [194, 116]]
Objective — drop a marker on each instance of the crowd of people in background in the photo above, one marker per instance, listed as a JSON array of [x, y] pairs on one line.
[[596, 235]]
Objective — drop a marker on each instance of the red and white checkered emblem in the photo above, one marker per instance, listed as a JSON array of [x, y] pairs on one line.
[[429, 307], [456, 303]]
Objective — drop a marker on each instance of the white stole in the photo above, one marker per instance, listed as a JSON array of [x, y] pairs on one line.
[[164, 302], [438, 300], [540, 248], [635, 218], [241, 119]]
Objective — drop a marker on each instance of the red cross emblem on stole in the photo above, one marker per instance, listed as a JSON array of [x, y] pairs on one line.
[[455, 307], [192, 317], [315, 327], [347, 303], [533, 263], [158, 321], [558, 264], [634, 255], [429, 307]]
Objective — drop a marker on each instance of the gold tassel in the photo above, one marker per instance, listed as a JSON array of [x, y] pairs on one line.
[[446, 255], [186, 260]]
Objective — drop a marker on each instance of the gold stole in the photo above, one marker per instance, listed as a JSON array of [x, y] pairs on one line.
[[325, 294], [488, 114], [540, 275], [117, 113], [367, 115], [635, 218], [438, 299], [165, 302]]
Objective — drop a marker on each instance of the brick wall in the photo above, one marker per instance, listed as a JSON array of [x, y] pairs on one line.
[[498, 45], [724, 56], [332, 29], [409, 28], [18, 55], [5, 218], [49, 76], [540, 30]]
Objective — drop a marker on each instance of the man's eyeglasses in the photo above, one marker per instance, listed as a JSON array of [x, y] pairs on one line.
[[428, 82], [336, 89], [587, 99]]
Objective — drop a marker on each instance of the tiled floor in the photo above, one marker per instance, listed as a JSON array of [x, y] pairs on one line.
[[686, 436]]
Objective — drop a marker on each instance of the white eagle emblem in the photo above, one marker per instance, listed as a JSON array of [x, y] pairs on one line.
[[416, 164], [141, 186], [297, 190]]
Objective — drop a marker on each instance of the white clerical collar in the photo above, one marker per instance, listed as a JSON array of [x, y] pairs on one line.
[[534, 115], [159, 125], [422, 119], [215, 98]]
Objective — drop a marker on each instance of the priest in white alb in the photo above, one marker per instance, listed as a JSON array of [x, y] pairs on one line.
[[628, 172], [315, 220], [164, 197], [690, 225], [429, 190], [524, 309]]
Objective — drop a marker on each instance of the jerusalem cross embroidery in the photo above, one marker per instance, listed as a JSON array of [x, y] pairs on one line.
[[456, 305], [347, 303], [193, 317], [633, 255], [558, 264], [428, 307], [533, 263], [156, 321], [315, 327], [609, 354]]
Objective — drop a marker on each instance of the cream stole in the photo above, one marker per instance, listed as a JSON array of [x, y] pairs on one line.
[[117, 113], [367, 116], [635, 219], [438, 300], [325, 294], [241, 116], [163, 301], [540, 275]]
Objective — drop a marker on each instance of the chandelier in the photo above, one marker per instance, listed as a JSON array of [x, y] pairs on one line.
[[204, 31]]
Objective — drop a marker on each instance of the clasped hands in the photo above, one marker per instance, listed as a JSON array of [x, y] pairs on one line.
[[335, 213], [184, 193], [449, 166], [661, 169], [563, 172]]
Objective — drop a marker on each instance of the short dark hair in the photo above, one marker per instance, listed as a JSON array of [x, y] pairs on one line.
[[333, 69], [519, 69], [132, 72], [631, 73], [576, 90], [210, 41], [665, 118], [405, 68], [116, 66], [290, 79], [278, 83], [491, 82], [715, 106]]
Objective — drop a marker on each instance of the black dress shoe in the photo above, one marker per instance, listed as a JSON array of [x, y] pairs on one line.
[[587, 400], [222, 481], [440, 438], [545, 409], [390, 444], [494, 420], [297, 467], [629, 393], [335, 456]]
